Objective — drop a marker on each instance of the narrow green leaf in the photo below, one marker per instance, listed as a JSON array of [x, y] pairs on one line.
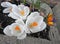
[[37, 4]]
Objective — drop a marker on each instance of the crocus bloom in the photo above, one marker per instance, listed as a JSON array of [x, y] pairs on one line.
[[35, 23], [50, 20], [9, 8], [16, 29], [22, 11]]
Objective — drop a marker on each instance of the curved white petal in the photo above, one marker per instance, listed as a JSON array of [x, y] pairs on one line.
[[13, 15], [34, 30], [27, 30], [7, 10], [38, 19], [20, 21], [22, 36], [42, 26], [27, 10], [21, 6], [6, 4], [16, 11], [33, 14], [7, 31]]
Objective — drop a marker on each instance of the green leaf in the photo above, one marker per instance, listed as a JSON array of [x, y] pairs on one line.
[[37, 4], [23, 1]]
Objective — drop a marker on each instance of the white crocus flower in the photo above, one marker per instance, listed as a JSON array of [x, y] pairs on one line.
[[16, 29], [9, 8], [35, 23], [22, 11]]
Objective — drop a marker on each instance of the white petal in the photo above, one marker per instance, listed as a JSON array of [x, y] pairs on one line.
[[27, 30], [16, 11], [34, 30], [42, 26], [27, 10], [6, 4], [22, 36], [33, 14], [7, 31], [13, 15], [7, 10], [21, 6], [20, 21]]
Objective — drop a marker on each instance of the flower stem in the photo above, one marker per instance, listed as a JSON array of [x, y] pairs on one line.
[[24, 1], [33, 4]]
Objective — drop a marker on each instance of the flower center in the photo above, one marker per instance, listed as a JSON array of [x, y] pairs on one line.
[[22, 12], [34, 24], [17, 28], [10, 9]]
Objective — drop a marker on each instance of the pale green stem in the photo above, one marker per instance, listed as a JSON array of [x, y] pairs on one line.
[[24, 1], [33, 4]]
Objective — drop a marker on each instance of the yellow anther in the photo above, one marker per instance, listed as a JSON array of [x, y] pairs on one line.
[[22, 13]]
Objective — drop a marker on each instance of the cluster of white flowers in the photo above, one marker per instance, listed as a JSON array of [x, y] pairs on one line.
[[34, 22]]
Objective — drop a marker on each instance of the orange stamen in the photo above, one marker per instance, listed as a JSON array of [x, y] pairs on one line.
[[22, 12], [17, 28], [34, 24], [10, 9]]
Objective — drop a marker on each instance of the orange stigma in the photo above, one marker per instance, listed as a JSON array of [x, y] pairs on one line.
[[17, 28], [34, 24], [10, 9], [22, 12]]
